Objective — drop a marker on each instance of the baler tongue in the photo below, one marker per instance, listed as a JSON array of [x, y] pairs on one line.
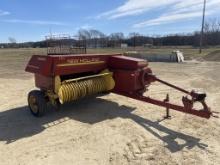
[[188, 103], [200, 97]]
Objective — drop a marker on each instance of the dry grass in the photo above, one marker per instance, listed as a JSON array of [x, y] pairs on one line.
[[189, 52], [19, 57]]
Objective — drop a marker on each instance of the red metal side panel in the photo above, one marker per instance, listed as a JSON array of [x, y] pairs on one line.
[[127, 81], [128, 63], [44, 82], [64, 65], [67, 64], [39, 64]]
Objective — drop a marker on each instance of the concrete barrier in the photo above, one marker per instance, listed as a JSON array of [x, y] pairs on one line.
[[175, 56]]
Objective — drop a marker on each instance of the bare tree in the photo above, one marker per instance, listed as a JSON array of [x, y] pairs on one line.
[[96, 33], [96, 37], [116, 38], [134, 36], [11, 40], [84, 36], [211, 32]]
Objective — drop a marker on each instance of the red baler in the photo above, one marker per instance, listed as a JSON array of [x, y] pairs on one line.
[[65, 78]]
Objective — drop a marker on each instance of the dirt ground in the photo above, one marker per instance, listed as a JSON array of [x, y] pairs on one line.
[[110, 129]]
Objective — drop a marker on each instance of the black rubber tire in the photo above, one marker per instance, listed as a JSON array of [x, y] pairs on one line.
[[40, 103]]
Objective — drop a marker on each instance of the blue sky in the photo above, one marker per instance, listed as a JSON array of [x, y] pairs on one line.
[[31, 20]]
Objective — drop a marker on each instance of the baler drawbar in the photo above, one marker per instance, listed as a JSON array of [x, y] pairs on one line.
[[65, 78]]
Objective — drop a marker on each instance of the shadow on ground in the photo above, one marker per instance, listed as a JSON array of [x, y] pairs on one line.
[[18, 123]]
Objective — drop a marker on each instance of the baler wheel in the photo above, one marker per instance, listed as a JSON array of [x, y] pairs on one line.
[[37, 103]]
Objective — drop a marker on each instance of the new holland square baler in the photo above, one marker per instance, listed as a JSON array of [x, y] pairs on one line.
[[66, 78]]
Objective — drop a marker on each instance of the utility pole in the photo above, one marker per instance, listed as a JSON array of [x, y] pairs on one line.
[[202, 31]]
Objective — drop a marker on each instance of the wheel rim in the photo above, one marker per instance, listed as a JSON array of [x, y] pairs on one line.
[[33, 104]]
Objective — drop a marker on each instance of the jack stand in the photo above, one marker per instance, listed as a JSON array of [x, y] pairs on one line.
[[167, 108]]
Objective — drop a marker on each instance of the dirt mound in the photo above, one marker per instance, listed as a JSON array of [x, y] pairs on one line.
[[213, 56]]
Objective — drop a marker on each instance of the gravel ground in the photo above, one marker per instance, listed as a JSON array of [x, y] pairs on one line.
[[110, 129]]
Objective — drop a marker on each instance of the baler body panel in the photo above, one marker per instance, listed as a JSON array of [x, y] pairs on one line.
[[67, 64], [124, 68], [126, 63], [132, 83], [40, 64], [79, 64], [128, 73], [44, 82]]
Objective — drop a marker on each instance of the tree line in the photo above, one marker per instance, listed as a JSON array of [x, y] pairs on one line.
[[96, 39]]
